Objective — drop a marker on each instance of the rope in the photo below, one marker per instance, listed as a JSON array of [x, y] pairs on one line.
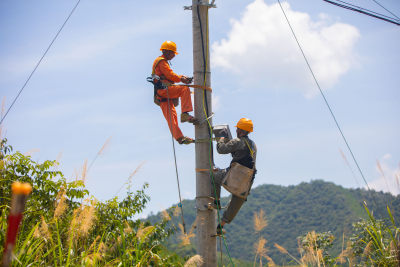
[[323, 96], [40, 61], [205, 108], [176, 166]]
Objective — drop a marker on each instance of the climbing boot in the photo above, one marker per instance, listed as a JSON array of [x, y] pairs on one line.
[[220, 230], [186, 117], [184, 140]]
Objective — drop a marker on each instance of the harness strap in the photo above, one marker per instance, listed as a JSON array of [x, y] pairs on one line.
[[196, 86], [202, 170]]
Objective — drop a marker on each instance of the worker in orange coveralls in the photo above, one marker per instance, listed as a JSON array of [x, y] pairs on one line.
[[163, 73]]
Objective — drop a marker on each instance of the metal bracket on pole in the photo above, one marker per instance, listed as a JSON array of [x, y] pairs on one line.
[[202, 3]]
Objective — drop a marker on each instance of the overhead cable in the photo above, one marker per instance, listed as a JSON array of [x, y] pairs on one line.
[[386, 9], [363, 11], [323, 96], [40, 61]]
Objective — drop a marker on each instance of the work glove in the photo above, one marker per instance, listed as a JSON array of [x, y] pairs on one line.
[[186, 80]]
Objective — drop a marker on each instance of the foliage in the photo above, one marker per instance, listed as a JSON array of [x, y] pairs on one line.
[[376, 241], [295, 211], [314, 247], [64, 226]]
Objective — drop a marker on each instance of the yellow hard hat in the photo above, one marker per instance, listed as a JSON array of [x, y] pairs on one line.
[[169, 45], [245, 124]]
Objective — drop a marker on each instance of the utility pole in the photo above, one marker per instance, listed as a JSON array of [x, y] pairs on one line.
[[206, 219]]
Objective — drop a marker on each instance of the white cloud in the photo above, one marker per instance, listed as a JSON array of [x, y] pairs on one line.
[[389, 176], [261, 48]]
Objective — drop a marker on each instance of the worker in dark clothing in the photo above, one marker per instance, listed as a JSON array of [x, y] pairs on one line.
[[164, 96], [244, 152]]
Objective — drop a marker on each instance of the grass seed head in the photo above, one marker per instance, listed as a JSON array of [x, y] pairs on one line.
[[87, 218], [260, 222], [194, 261], [281, 249], [367, 250], [44, 230], [177, 211], [165, 216], [260, 248], [61, 205]]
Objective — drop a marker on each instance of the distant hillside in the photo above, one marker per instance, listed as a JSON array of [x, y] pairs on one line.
[[293, 211]]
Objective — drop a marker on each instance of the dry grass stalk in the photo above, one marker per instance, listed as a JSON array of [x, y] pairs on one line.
[[271, 262], [196, 260], [93, 245], [84, 171], [72, 233], [127, 229], [383, 174], [165, 216], [61, 205], [142, 233], [177, 211], [135, 171], [105, 145], [367, 250], [281, 249], [3, 107], [44, 230], [185, 237], [260, 222], [116, 245], [260, 248], [320, 257], [87, 218], [284, 251]]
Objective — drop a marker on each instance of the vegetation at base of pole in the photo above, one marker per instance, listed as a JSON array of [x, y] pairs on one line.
[[64, 226]]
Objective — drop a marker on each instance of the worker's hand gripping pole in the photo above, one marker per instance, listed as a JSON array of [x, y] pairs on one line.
[[20, 193]]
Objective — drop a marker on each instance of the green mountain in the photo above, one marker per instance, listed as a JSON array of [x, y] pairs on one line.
[[291, 212]]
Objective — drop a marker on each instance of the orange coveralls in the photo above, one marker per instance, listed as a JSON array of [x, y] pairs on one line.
[[167, 75]]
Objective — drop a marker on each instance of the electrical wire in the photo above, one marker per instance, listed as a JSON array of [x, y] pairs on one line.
[[323, 96], [363, 11], [40, 61], [386, 9]]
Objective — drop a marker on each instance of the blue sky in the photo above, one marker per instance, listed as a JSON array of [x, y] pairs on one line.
[[91, 88]]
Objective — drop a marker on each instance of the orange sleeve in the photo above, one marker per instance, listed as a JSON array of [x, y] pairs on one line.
[[165, 69]]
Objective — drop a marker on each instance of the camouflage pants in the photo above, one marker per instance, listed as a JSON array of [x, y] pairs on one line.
[[236, 202]]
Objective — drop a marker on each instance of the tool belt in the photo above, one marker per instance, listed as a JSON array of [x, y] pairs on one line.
[[238, 180], [158, 85]]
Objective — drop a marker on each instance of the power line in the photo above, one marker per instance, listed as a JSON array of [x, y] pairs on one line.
[[386, 9], [363, 11], [323, 96], [40, 61]]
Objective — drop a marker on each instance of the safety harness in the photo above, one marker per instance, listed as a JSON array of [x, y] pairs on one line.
[[158, 83]]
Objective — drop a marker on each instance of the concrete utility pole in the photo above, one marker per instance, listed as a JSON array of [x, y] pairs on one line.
[[206, 219]]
